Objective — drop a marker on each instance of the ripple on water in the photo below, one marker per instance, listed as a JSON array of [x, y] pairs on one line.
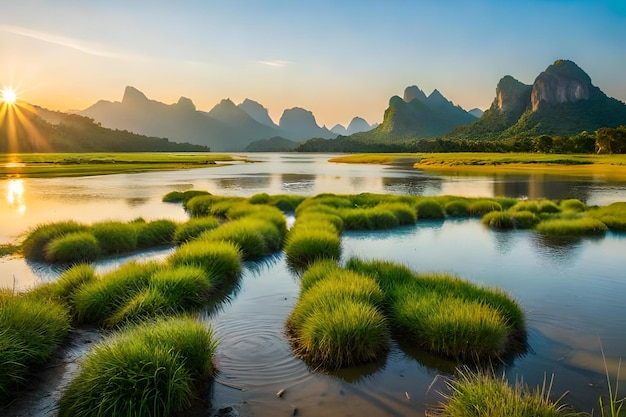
[[254, 351]]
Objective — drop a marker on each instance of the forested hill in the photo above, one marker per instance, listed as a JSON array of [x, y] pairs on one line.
[[25, 128]]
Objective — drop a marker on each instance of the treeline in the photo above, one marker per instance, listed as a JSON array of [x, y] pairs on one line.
[[604, 140]]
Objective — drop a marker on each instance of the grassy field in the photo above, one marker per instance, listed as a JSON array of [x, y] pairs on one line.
[[611, 166], [46, 165]]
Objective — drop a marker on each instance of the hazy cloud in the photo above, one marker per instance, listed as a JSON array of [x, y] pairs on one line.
[[276, 63], [77, 44]]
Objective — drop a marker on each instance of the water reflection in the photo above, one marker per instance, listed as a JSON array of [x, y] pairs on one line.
[[15, 195]]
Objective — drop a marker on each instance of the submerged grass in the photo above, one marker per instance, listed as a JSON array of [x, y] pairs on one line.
[[153, 369]]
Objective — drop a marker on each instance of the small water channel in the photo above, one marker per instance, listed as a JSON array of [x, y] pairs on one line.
[[572, 292]]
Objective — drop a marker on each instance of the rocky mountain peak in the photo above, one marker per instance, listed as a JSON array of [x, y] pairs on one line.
[[296, 117], [561, 82], [413, 92], [257, 112], [511, 95], [133, 96], [185, 104]]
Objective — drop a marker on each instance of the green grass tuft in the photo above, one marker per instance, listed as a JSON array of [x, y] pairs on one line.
[[156, 233], [30, 331], [194, 227], [572, 227], [148, 370], [34, 245], [73, 247], [482, 207], [429, 208], [483, 395], [457, 208], [220, 260], [499, 220], [115, 237]]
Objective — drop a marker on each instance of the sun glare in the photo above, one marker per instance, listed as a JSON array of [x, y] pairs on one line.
[[9, 96]]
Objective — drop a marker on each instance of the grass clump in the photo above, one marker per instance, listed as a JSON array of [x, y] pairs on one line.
[[531, 206], [34, 245], [404, 213], [445, 314], [482, 207], [194, 227], [254, 238], [97, 301], [457, 208], [337, 321], [220, 260], [572, 227], [30, 331], [63, 289], [170, 291], [499, 220], [572, 204], [73, 247], [115, 237], [524, 219], [429, 208], [483, 395], [305, 245], [153, 369], [156, 233], [182, 196]]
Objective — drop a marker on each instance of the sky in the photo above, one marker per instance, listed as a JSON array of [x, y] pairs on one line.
[[339, 59]]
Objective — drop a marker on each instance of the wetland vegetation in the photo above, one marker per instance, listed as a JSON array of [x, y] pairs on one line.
[[345, 315]]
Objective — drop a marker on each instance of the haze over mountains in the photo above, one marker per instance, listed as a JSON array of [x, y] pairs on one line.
[[226, 127]]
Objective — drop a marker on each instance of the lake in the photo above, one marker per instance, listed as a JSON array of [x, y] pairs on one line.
[[572, 292]]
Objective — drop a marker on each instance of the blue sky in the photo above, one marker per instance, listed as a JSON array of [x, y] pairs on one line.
[[338, 59]]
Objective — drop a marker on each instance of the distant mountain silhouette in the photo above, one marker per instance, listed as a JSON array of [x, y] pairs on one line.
[[257, 112], [561, 101], [476, 112], [226, 127], [299, 124], [357, 124], [42, 130], [417, 116]]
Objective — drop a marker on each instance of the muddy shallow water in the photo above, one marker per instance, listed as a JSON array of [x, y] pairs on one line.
[[572, 292]]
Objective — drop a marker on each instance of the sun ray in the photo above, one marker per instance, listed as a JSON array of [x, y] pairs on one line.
[[18, 133]]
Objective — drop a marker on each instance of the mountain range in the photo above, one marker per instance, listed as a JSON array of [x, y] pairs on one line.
[[35, 129], [417, 115], [561, 101], [226, 127]]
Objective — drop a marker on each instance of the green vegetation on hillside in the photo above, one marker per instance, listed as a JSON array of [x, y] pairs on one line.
[[22, 130]]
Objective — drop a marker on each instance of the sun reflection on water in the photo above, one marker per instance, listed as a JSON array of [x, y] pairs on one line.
[[15, 195]]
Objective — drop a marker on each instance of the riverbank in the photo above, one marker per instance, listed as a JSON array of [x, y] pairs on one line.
[[50, 165], [608, 166]]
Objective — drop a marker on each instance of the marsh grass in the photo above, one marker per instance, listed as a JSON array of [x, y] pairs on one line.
[[572, 204], [446, 315], [97, 301], [524, 219], [404, 213], [457, 208], [194, 227], [36, 240], [69, 282], [318, 271], [254, 238], [429, 208], [30, 331], [183, 196], [115, 237], [305, 245], [499, 220], [211, 205], [73, 247], [572, 227], [348, 334], [169, 291], [482, 207], [481, 394], [156, 233], [220, 260], [153, 369]]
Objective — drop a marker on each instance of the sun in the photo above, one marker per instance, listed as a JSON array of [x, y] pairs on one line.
[[9, 96]]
